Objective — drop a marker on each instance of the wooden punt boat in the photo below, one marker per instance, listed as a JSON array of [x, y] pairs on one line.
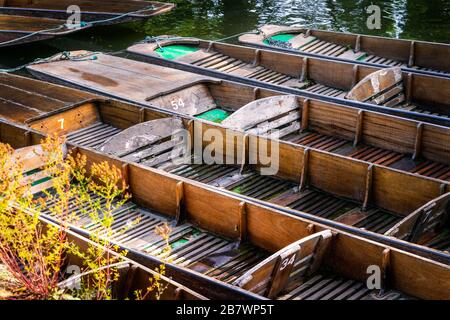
[[405, 94], [425, 57], [226, 247], [335, 190], [112, 11], [133, 277], [16, 29], [385, 140]]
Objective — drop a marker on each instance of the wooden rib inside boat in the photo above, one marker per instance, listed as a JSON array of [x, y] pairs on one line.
[[409, 92], [246, 247], [354, 192], [117, 11], [419, 55], [16, 29]]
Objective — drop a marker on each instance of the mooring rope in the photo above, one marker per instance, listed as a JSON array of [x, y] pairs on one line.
[[57, 57], [93, 56]]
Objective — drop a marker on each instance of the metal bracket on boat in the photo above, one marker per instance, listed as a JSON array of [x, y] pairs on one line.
[[304, 173], [130, 275], [27, 138], [418, 141], [442, 188], [307, 33], [409, 87], [125, 170], [142, 115], [358, 129], [305, 115], [355, 75], [368, 190], [412, 54], [244, 152], [304, 74], [385, 264], [358, 43], [311, 228], [242, 228], [180, 200], [210, 46], [257, 59], [179, 294], [256, 92]]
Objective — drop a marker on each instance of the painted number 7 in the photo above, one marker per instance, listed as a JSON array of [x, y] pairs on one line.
[[61, 121]]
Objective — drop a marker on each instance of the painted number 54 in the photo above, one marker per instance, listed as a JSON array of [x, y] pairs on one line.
[[177, 104]]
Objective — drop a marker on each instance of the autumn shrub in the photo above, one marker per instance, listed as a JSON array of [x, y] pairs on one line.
[[35, 253]]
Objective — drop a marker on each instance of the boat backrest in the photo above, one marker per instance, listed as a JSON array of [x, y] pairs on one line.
[[33, 160], [433, 215], [264, 116], [295, 262], [384, 87], [192, 100], [151, 134]]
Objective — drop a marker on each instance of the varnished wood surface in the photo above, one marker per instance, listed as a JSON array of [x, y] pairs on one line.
[[22, 99], [380, 50], [122, 78], [348, 257], [421, 93]]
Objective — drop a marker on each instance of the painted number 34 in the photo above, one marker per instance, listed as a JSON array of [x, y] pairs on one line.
[[177, 104], [287, 262]]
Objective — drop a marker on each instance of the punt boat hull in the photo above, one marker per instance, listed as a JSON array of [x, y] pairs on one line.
[[413, 56], [326, 253]]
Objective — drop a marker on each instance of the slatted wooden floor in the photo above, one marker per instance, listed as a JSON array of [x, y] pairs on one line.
[[191, 247], [249, 183], [223, 63], [331, 287], [211, 255], [371, 154], [330, 49]]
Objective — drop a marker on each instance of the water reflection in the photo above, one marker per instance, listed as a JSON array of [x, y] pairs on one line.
[[213, 19]]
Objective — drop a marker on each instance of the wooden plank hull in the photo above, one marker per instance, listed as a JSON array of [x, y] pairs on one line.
[[15, 30], [245, 224], [426, 57], [422, 96], [80, 121], [91, 11]]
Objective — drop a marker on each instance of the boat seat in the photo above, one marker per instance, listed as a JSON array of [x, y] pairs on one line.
[[287, 267], [276, 116], [384, 87], [155, 134], [431, 217], [33, 159]]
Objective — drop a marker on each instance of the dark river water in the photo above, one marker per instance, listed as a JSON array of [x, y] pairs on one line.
[[214, 19]]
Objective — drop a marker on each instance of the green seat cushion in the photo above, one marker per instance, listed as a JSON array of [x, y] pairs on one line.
[[214, 115], [285, 37], [175, 51]]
